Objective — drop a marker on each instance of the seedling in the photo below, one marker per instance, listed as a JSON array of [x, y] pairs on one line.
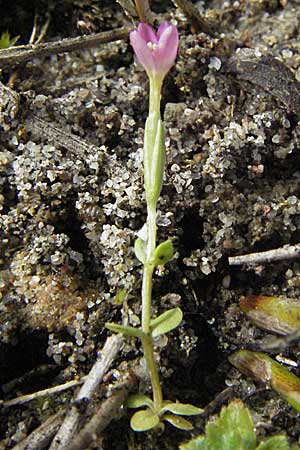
[[156, 52], [234, 430]]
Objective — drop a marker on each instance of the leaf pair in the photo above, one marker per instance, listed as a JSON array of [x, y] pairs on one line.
[[162, 254], [149, 418], [164, 323]]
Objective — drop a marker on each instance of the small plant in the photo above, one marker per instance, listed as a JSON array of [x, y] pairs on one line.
[[156, 53], [234, 430], [6, 41]]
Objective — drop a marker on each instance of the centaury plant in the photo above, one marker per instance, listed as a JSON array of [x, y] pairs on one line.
[[156, 52]]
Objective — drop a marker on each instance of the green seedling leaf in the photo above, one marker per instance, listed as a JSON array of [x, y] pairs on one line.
[[136, 401], [261, 367], [199, 443], [6, 41], [144, 420], [233, 430], [129, 331], [278, 315], [178, 422], [274, 443], [163, 253], [167, 321], [182, 409], [140, 250]]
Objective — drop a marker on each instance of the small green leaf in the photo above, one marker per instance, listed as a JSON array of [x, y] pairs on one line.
[[6, 41], [182, 409], [178, 422], [167, 321], [199, 443], [163, 253], [129, 331], [140, 250], [144, 420], [233, 430], [136, 401], [274, 443]]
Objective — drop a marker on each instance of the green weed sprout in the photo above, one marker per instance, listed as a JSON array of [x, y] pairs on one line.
[[6, 41], [156, 52], [234, 430]]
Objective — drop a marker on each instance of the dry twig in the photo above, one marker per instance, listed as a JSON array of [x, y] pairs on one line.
[[49, 391], [105, 414], [41, 437], [106, 357], [23, 53], [278, 254], [192, 13]]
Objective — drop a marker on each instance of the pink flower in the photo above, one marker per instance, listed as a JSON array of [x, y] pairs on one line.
[[156, 52]]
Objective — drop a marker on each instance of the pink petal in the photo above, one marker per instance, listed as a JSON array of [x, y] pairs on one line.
[[143, 52], [162, 27], [146, 32], [166, 52]]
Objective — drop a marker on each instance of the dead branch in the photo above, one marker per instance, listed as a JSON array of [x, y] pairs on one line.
[[105, 359], [105, 414], [192, 13], [22, 53], [278, 254], [49, 391], [41, 437]]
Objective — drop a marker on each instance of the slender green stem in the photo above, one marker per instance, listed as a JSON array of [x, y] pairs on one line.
[[147, 342], [154, 95], [146, 309], [152, 367]]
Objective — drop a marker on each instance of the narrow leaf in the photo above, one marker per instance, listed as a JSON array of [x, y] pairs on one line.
[[144, 420], [129, 331], [182, 409], [163, 253], [136, 401], [178, 422], [140, 250], [278, 315], [166, 322], [263, 368]]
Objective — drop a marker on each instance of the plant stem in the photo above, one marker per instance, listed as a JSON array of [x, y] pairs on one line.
[[154, 95], [147, 342], [153, 371], [146, 309]]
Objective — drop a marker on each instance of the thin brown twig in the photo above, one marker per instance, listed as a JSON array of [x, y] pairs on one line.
[[105, 414], [278, 254], [106, 357], [143, 10], [49, 391], [41, 437], [22, 53], [192, 13]]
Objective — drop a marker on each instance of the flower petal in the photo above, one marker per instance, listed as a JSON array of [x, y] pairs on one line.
[[143, 52], [162, 27], [146, 32], [166, 51]]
